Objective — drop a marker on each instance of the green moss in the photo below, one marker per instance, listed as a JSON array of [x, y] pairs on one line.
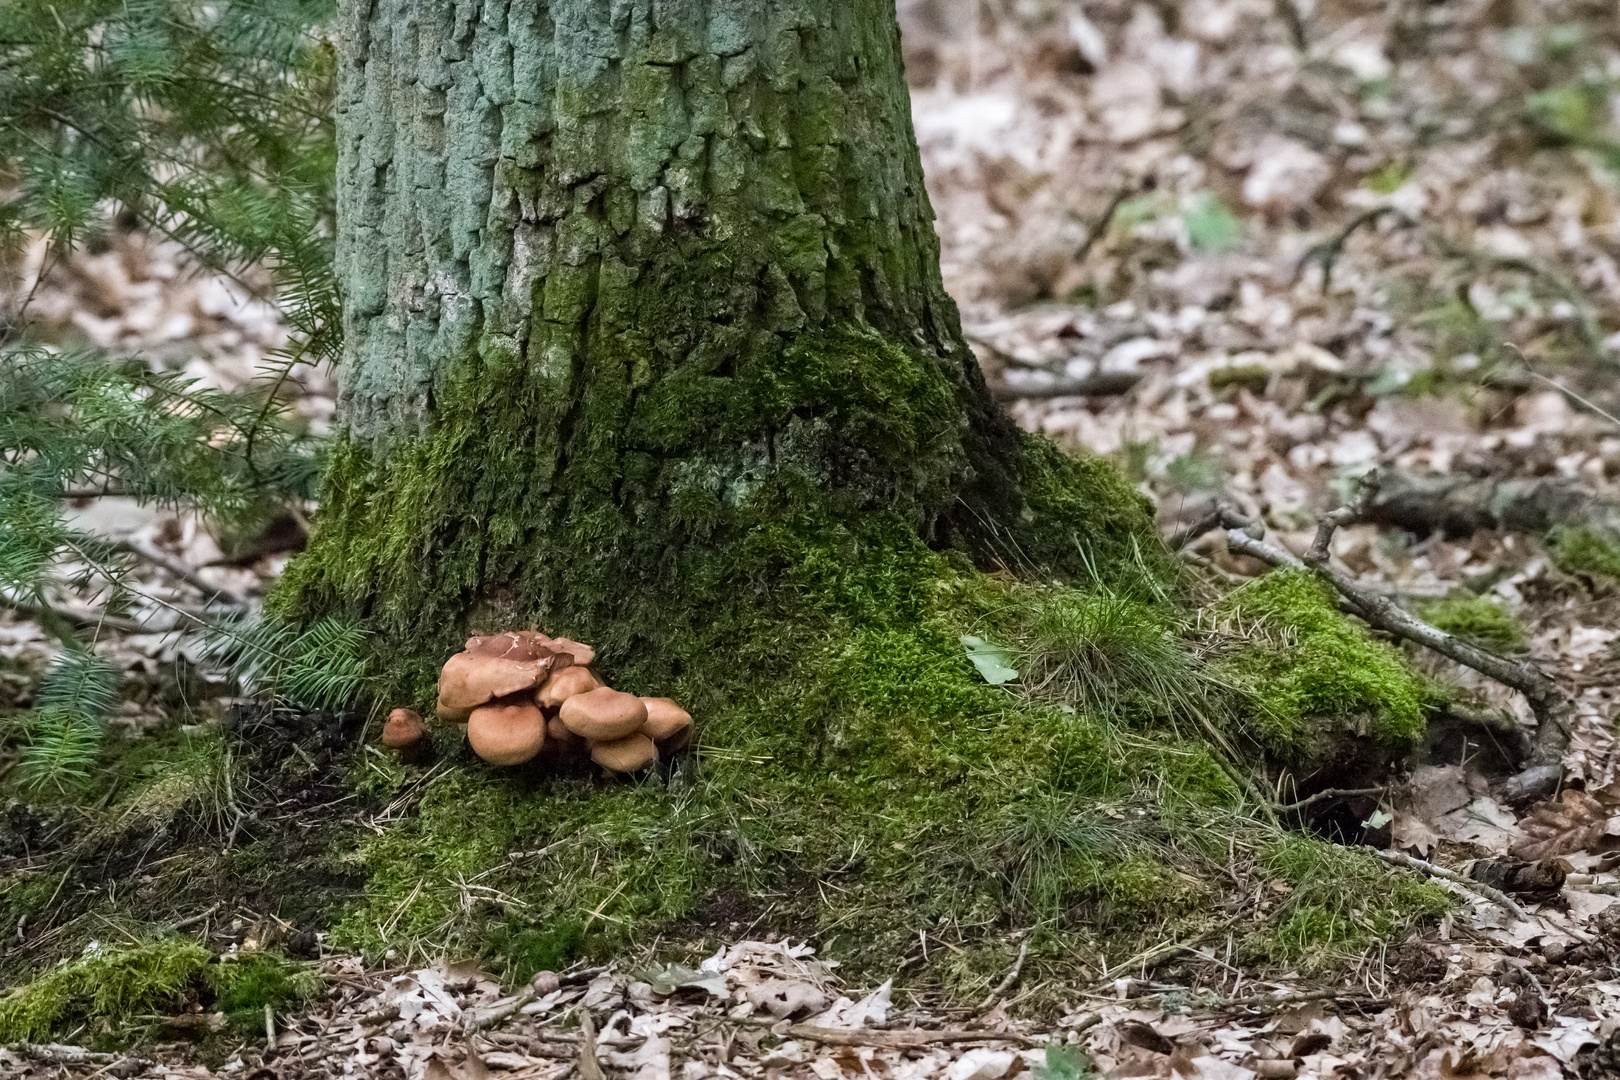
[[111, 986], [244, 984], [1587, 552], [1479, 619], [107, 984], [1312, 672], [1338, 901]]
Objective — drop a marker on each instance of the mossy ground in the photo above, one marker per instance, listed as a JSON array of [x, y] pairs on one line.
[[1308, 675], [855, 780]]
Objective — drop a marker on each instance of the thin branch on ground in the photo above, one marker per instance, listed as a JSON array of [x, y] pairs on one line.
[[1329, 793], [1099, 228], [589, 1067], [1327, 253], [1101, 384], [869, 1037], [1009, 982], [164, 561], [1567, 392], [1495, 896]]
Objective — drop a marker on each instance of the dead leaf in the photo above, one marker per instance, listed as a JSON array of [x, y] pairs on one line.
[[1139, 1034], [783, 997], [1574, 822]]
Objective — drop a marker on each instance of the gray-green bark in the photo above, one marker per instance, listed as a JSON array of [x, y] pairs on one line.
[[627, 283]]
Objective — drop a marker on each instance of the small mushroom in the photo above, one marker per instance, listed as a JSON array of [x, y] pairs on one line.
[[563, 685], [603, 714], [470, 679], [506, 734], [406, 735], [668, 725], [627, 755]]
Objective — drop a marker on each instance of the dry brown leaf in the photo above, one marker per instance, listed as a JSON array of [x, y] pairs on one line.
[[1576, 821]]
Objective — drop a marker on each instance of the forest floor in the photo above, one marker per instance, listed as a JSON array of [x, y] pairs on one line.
[[1249, 254]]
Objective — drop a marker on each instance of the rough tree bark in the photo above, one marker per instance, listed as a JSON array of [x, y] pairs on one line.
[[628, 282]]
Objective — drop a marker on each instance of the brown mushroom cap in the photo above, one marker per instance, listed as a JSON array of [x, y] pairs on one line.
[[563, 685], [664, 718], [522, 646], [469, 679], [557, 732], [627, 755], [506, 734], [583, 655], [603, 713], [404, 728]]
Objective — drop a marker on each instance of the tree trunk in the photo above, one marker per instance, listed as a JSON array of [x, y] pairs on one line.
[[629, 286]]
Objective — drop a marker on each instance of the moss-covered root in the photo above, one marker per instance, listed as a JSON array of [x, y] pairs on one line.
[[109, 987]]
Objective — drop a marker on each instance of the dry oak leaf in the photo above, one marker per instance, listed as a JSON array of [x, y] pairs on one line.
[[1573, 823]]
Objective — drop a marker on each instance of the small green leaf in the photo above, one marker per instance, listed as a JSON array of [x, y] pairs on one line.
[[993, 662], [1210, 225], [1379, 819], [1063, 1062]]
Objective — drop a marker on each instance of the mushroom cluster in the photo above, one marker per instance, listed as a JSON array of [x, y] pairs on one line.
[[523, 694]]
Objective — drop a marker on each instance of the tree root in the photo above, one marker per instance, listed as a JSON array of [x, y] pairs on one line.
[[1553, 707]]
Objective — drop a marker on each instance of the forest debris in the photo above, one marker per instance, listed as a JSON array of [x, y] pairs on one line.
[[1009, 981], [1575, 822], [1554, 708], [1539, 880]]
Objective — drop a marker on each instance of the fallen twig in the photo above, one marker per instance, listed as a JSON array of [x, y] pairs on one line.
[[1102, 384], [164, 561], [875, 1037], [193, 920], [1329, 793], [1007, 983], [496, 1015], [589, 1067], [1100, 227], [1495, 896], [58, 1054]]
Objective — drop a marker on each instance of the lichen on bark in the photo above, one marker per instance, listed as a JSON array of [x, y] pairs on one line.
[[628, 283]]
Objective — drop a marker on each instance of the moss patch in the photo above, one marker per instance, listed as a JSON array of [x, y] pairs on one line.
[[1308, 671], [1337, 902], [1479, 619], [108, 987], [1587, 552]]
